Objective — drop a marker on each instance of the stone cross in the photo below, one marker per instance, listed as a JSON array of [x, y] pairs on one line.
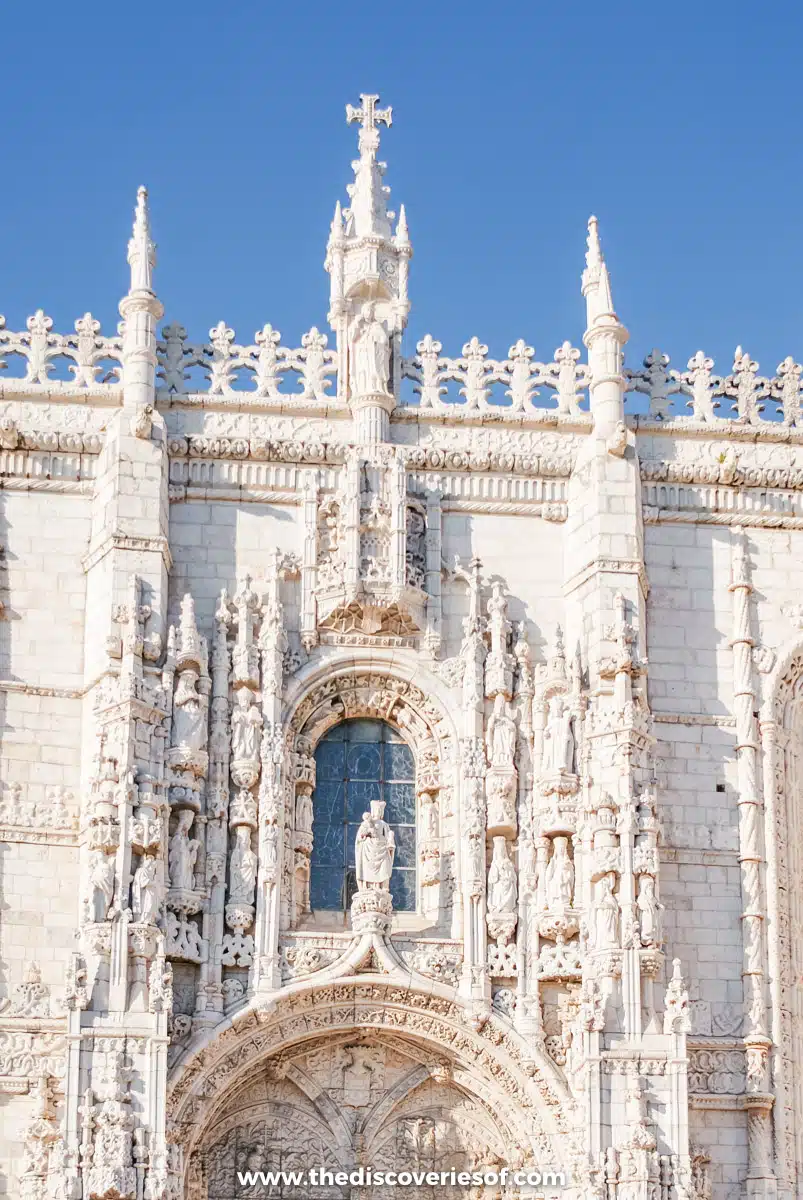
[[368, 114], [370, 117]]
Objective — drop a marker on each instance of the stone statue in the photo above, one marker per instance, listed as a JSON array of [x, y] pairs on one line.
[[502, 892], [558, 738], [145, 892], [101, 879], [560, 876], [476, 857], [246, 721], [304, 812], [606, 915], [242, 868], [498, 624], [182, 853], [270, 849], [429, 817], [189, 715], [370, 354], [501, 736], [649, 911], [374, 849]]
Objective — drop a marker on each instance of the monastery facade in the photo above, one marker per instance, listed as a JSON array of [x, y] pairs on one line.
[[401, 756]]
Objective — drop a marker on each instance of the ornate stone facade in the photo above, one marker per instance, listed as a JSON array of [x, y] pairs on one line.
[[567, 591]]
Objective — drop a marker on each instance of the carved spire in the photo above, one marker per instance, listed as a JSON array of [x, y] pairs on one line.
[[368, 215], [402, 237], [141, 250], [605, 336], [596, 280]]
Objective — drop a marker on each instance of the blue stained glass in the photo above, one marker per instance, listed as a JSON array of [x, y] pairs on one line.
[[328, 805], [330, 759], [402, 889], [363, 762], [359, 761], [360, 794], [328, 845], [405, 845], [326, 888], [362, 730], [399, 762], [351, 838], [400, 799]]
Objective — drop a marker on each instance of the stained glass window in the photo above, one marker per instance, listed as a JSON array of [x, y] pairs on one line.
[[357, 762]]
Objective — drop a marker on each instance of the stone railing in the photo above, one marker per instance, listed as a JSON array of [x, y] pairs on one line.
[[743, 395], [227, 368], [84, 360], [511, 385]]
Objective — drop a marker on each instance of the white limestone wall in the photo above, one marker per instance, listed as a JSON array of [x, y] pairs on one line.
[[214, 544], [41, 661], [526, 553]]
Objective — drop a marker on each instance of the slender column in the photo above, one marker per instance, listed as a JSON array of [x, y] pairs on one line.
[[760, 1173]]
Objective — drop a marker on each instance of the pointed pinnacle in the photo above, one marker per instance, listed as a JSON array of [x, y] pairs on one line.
[[141, 250], [594, 254], [402, 232]]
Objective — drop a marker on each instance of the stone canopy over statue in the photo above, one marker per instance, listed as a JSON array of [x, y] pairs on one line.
[[375, 849], [370, 354]]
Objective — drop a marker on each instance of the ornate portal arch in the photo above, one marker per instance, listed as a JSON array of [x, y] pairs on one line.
[[393, 687], [365, 1071]]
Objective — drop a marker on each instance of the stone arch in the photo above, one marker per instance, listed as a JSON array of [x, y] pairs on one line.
[[390, 686], [781, 724], [506, 1088]]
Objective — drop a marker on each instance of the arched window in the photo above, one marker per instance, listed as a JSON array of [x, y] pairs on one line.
[[357, 762]]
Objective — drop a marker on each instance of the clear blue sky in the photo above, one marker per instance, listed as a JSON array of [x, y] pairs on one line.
[[678, 124]]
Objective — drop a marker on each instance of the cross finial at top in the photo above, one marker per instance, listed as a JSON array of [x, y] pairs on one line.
[[368, 114], [370, 118]]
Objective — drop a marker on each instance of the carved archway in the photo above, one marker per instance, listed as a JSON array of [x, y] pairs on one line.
[[350, 1067], [782, 745], [367, 686]]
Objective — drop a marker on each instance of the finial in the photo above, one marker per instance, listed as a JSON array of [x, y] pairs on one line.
[[370, 117], [594, 252], [402, 232], [596, 285], [141, 250], [367, 215]]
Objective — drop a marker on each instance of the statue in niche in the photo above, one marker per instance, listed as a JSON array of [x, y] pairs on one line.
[[242, 868], [189, 714], [476, 857], [375, 849], [558, 738], [560, 876], [304, 812], [370, 354], [649, 911], [501, 736], [498, 624], [270, 849], [429, 817], [182, 853], [502, 892], [145, 892], [246, 721], [606, 915], [101, 881]]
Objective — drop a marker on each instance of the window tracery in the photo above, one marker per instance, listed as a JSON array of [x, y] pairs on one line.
[[358, 761]]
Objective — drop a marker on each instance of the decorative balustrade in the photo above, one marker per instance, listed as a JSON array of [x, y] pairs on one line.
[[225, 365], [743, 396], [90, 360], [512, 385], [39, 360]]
